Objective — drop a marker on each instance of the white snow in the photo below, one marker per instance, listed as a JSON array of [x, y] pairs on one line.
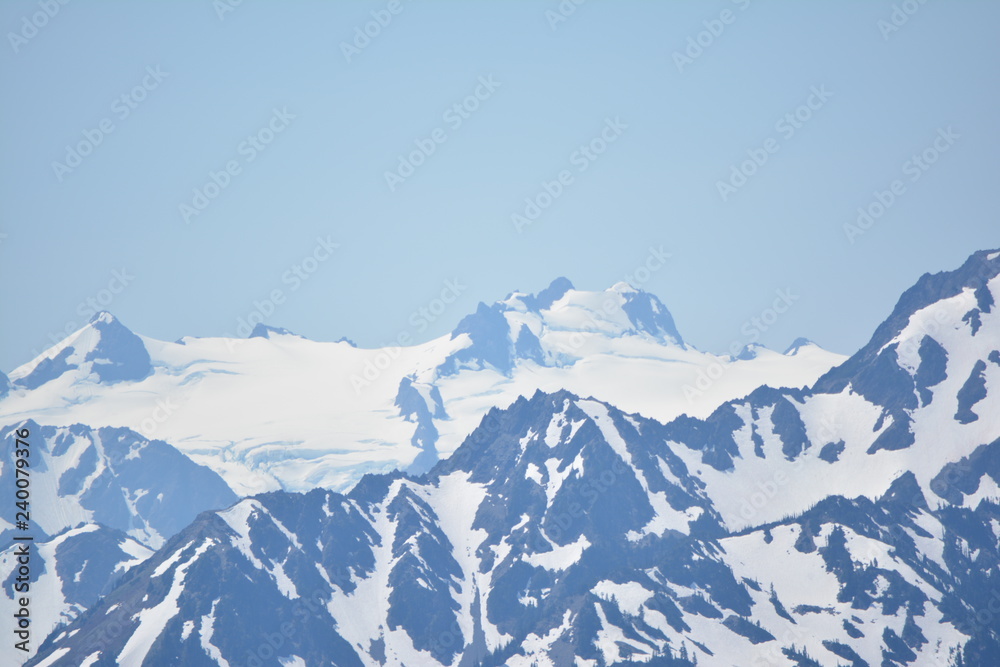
[[153, 620], [238, 517], [534, 474], [167, 564], [536, 646], [610, 638], [51, 660], [560, 557], [322, 414], [629, 596], [987, 490], [205, 634]]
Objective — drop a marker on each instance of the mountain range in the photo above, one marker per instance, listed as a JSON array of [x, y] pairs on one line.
[[563, 480], [278, 411]]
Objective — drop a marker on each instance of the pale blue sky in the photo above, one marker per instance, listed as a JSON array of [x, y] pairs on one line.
[[324, 173]]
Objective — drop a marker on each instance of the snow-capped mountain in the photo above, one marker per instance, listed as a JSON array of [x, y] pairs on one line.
[[854, 522], [558, 327], [113, 477], [102, 500], [71, 571], [104, 350], [279, 411]]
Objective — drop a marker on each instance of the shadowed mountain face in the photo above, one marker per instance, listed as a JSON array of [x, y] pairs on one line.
[[854, 522], [101, 501], [113, 477], [104, 349], [278, 411]]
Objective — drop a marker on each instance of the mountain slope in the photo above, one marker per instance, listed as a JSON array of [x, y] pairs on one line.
[[922, 394], [562, 530], [70, 573], [324, 414], [114, 477], [853, 522]]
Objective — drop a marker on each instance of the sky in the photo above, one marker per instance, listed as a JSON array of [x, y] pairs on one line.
[[335, 167]]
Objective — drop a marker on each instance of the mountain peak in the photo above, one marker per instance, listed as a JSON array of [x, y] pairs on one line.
[[623, 287], [103, 317], [556, 290], [535, 327], [104, 348], [931, 288], [264, 331], [749, 352], [796, 345]]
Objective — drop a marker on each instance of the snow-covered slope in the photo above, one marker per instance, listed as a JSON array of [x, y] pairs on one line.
[[70, 573], [280, 411], [100, 502], [562, 532], [925, 391], [855, 522], [114, 477]]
